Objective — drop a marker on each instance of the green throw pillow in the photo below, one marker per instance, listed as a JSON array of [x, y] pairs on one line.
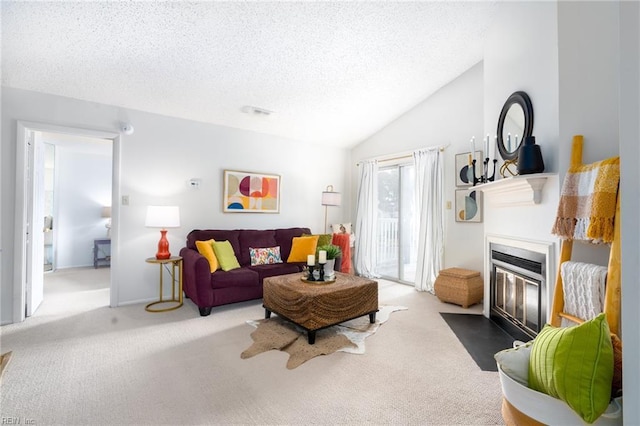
[[225, 255], [575, 364]]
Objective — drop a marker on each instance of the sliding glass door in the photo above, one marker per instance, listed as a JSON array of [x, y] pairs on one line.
[[397, 223]]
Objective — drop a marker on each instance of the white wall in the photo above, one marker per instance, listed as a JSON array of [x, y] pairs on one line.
[[521, 54], [452, 116], [83, 187], [589, 75], [527, 60], [630, 189], [570, 70], [156, 162]]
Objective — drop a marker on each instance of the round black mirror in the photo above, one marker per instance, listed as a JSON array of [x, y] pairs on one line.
[[515, 124]]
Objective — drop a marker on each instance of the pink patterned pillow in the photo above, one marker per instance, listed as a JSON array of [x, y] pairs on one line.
[[265, 256]]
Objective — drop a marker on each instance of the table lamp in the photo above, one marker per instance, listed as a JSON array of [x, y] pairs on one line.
[[163, 217], [106, 213]]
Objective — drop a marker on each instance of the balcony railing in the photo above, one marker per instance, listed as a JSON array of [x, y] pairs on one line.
[[388, 249]]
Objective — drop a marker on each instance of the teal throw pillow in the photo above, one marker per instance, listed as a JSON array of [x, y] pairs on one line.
[[225, 255], [575, 364]]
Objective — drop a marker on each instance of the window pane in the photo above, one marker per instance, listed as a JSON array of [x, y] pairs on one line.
[[388, 202], [408, 224]]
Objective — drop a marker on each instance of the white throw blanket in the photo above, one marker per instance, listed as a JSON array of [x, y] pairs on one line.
[[583, 285]]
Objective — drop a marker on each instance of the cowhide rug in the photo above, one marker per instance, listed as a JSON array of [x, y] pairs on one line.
[[280, 334]]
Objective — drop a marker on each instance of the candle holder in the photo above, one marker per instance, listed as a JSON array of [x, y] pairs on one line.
[[321, 271], [310, 276], [484, 178]]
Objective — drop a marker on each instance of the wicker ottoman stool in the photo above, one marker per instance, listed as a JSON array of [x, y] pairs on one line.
[[460, 286]]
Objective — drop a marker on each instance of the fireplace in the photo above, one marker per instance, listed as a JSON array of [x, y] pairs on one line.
[[518, 289]]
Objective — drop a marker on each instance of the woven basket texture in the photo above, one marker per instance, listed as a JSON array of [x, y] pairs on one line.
[[460, 286]]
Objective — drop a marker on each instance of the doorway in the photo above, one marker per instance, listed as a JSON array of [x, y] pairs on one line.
[[30, 207]]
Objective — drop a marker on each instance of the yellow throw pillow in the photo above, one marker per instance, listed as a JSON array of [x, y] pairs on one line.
[[205, 248], [323, 239], [301, 247]]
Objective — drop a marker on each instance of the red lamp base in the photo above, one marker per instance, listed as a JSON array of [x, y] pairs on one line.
[[163, 246]]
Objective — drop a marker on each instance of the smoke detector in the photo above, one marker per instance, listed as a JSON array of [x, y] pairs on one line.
[[248, 109], [126, 128]]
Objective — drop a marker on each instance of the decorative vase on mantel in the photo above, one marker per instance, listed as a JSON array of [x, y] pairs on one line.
[[529, 157]]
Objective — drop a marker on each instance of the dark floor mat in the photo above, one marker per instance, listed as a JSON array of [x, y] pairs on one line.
[[480, 336]]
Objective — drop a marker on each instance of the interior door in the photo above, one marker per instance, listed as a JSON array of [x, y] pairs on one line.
[[35, 236]]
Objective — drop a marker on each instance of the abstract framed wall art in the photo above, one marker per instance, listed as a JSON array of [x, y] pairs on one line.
[[249, 192], [464, 173], [468, 205]]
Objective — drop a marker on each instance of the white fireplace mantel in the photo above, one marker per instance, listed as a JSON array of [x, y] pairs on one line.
[[516, 191]]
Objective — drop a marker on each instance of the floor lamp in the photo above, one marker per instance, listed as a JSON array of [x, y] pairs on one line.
[[329, 198]]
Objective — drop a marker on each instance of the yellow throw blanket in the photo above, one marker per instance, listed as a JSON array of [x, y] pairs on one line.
[[588, 202]]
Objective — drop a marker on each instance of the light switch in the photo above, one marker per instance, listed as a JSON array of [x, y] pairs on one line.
[[448, 206], [125, 200], [194, 183]]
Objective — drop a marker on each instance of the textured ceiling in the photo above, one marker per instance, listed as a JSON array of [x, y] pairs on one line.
[[331, 72]]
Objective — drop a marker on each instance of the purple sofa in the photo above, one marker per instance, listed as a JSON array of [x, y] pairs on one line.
[[208, 289]]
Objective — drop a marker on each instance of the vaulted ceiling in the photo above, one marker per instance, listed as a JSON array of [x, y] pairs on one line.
[[320, 72]]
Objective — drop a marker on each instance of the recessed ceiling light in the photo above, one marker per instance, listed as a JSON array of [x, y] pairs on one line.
[[248, 109]]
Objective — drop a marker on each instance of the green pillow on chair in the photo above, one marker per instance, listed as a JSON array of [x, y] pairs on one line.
[[575, 364], [225, 255]]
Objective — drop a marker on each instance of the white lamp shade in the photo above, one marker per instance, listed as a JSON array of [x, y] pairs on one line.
[[330, 198], [163, 217], [106, 211]]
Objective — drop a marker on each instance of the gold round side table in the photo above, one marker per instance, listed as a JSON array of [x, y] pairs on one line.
[[174, 262]]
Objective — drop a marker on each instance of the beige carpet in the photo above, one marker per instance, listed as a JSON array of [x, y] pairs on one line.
[[279, 334], [79, 362]]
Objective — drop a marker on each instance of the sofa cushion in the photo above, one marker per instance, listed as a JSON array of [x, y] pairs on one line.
[[277, 269], [205, 248], [284, 238], [241, 277], [216, 234], [250, 238], [225, 255], [302, 247], [323, 239]]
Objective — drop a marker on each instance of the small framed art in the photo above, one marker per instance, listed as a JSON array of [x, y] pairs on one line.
[[249, 192], [468, 205], [464, 172]]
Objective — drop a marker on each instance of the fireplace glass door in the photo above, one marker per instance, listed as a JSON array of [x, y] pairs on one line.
[[518, 290], [518, 297]]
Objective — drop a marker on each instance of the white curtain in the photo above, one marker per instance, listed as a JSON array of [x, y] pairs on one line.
[[366, 220], [429, 202]]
